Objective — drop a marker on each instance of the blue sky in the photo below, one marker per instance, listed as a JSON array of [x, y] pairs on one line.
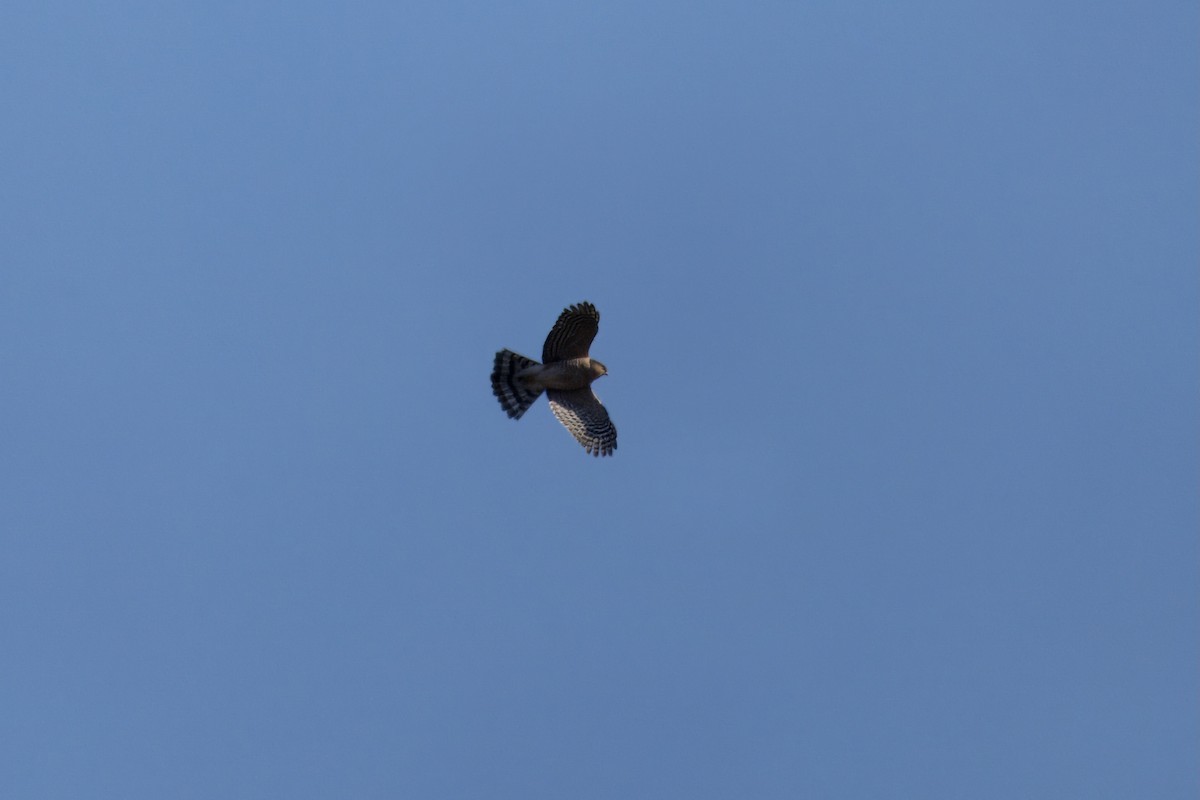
[[899, 304]]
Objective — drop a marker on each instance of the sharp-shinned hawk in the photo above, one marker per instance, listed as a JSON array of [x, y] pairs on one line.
[[565, 375]]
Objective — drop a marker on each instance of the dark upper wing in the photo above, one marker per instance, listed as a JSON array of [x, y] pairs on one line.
[[572, 335]]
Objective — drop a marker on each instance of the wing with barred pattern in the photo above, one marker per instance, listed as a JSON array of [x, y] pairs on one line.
[[587, 420], [572, 334]]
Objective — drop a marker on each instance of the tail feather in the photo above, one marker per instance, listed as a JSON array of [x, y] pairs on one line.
[[514, 396]]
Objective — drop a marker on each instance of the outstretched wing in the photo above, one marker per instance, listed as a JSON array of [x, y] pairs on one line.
[[580, 411], [572, 335]]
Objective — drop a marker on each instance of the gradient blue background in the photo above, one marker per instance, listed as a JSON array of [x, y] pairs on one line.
[[900, 306]]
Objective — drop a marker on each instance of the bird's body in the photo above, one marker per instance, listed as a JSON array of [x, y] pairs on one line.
[[575, 373], [566, 376]]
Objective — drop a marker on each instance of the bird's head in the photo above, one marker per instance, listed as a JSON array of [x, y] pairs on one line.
[[598, 369]]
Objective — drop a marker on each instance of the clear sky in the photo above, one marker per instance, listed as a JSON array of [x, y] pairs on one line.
[[900, 308]]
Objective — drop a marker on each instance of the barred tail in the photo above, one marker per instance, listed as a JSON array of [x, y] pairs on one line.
[[514, 396]]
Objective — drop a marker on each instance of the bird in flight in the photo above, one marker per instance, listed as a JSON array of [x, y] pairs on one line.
[[565, 375]]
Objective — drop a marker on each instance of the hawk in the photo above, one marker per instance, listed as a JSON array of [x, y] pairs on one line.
[[565, 375]]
